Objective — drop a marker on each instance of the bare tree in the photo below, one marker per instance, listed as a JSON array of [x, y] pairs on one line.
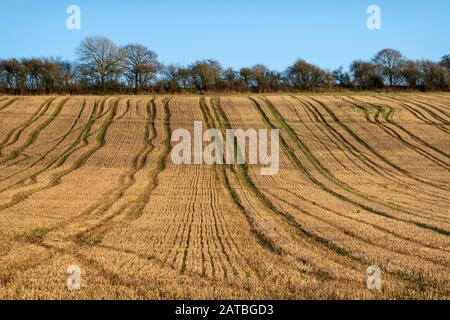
[[411, 73], [172, 78], [389, 63], [206, 74], [365, 75], [305, 76], [246, 75], [230, 77], [14, 75], [260, 74], [141, 64], [33, 68], [56, 75], [99, 60], [445, 63], [432, 75], [341, 78]]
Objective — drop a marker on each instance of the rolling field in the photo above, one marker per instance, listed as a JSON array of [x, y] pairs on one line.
[[89, 181]]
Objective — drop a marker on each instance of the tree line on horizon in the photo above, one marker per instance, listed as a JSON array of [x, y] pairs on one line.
[[102, 67]]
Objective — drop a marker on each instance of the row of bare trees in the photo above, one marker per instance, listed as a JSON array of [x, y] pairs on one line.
[[390, 68], [35, 76], [104, 67]]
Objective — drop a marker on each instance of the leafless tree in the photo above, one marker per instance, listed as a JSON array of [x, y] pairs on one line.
[[141, 64], [365, 75], [411, 73], [14, 75], [260, 74], [341, 78], [389, 63], [172, 78], [206, 74], [445, 63], [99, 60], [246, 75], [432, 75], [305, 76]]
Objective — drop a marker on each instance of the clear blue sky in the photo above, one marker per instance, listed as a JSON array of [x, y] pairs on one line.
[[236, 32]]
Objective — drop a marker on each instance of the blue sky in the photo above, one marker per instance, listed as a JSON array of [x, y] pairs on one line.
[[238, 33]]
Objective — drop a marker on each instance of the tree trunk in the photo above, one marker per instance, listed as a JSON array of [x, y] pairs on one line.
[[136, 84]]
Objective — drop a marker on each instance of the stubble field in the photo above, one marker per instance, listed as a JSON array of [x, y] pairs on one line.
[[89, 181]]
